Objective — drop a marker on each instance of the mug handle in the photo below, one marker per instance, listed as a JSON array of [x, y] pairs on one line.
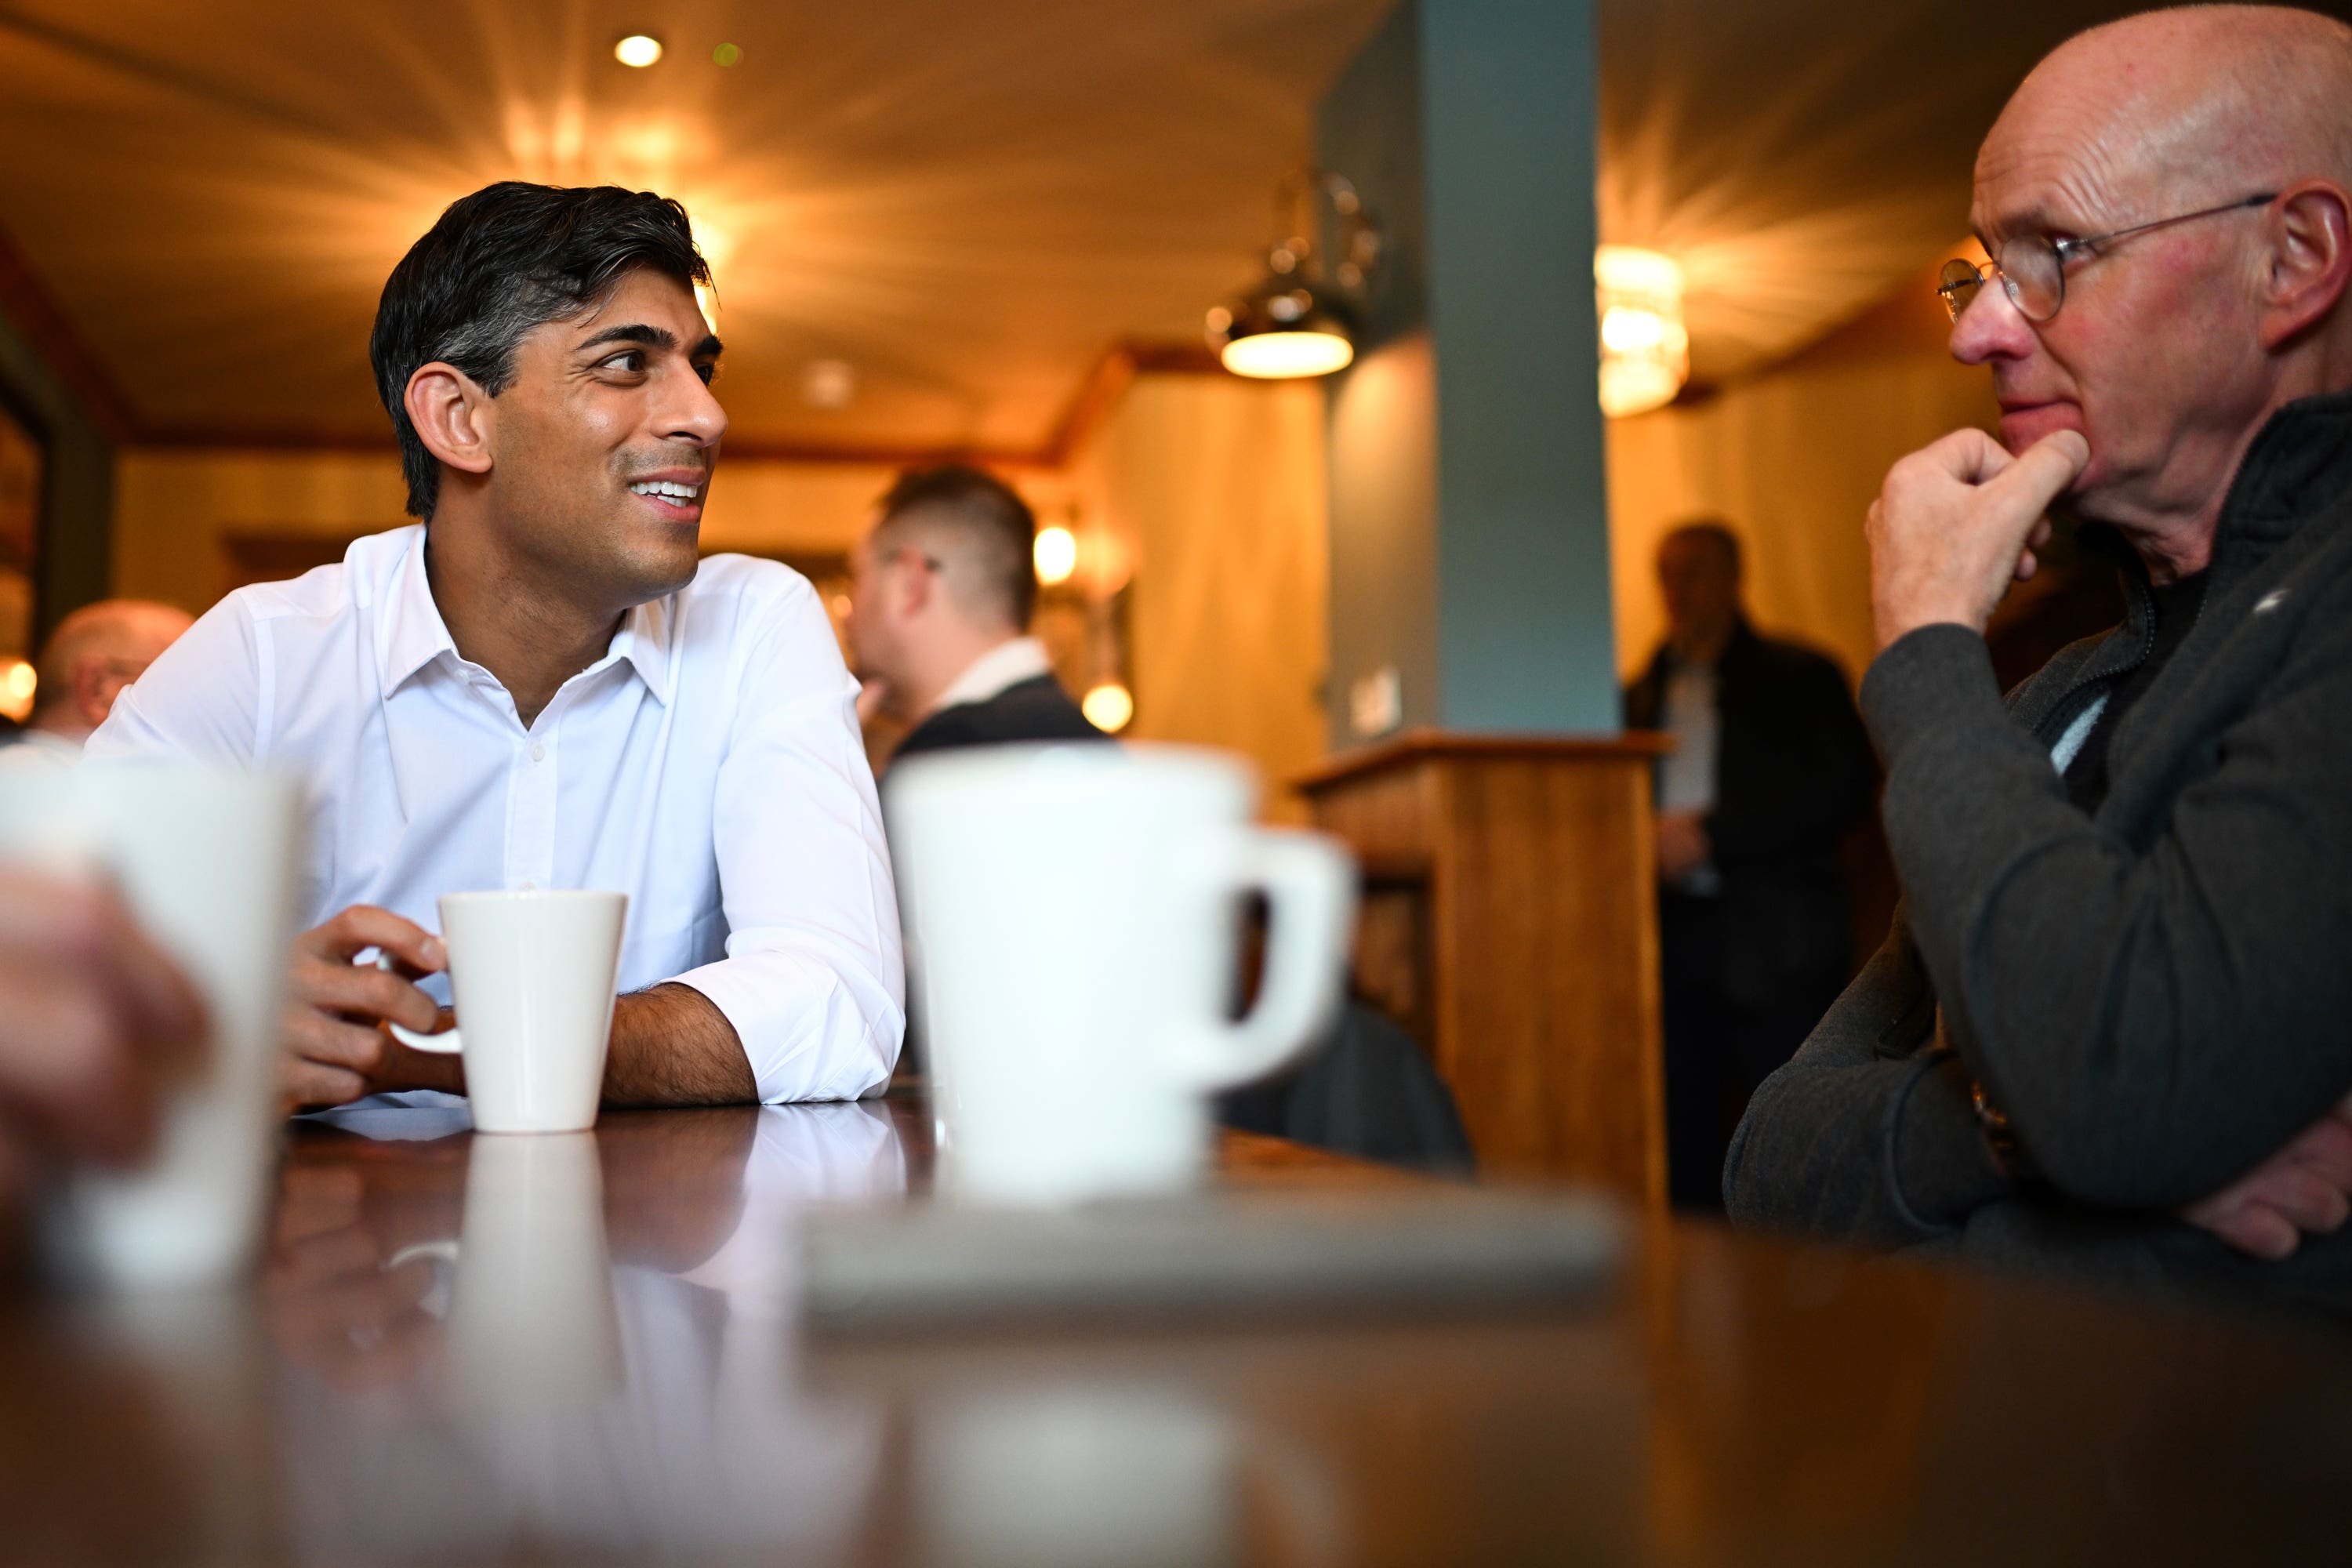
[[445, 1044], [1310, 882]]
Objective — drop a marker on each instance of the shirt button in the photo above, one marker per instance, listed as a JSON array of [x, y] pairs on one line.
[[539, 751]]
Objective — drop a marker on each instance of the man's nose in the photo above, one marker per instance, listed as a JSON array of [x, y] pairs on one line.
[[1991, 327], [694, 415]]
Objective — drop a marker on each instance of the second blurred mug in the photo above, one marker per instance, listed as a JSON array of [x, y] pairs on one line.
[[1073, 917], [532, 977]]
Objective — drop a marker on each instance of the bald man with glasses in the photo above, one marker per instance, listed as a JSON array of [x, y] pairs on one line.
[[2111, 1029]]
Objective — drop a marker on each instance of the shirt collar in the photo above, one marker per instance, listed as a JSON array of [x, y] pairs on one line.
[[1006, 665], [413, 634]]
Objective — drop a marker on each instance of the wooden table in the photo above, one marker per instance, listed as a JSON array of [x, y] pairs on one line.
[[1733, 1401]]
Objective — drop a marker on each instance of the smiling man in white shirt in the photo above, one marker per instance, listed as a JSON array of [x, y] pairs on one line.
[[538, 687]]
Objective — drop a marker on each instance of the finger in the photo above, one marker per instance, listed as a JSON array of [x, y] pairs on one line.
[[309, 1086], [2260, 1232], [332, 1042], [362, 991], [2027, 487], [1968, 455], [2026, 566], [364, 926], [2314, 1206]]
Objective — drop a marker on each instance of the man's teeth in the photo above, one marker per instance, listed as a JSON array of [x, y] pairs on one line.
[[668, 490]]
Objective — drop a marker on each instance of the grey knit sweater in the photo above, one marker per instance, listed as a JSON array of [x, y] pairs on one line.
[[2159, 995]]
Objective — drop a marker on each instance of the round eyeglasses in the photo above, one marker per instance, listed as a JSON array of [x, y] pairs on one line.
[[2032, 267]]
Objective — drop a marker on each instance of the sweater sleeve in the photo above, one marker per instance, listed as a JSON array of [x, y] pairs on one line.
[[1857, 1138], [2154, 1017]]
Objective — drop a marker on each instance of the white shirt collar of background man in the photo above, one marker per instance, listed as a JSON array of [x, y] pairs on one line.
[[709, 766], [1006, 665]]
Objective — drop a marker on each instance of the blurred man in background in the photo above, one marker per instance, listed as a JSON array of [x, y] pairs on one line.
[[94, 653], [1770, 768], [941, 593]]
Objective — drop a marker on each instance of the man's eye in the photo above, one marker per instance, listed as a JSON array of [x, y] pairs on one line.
[[629, 362], [707, 372]]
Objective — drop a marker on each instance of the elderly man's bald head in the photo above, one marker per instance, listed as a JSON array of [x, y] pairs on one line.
[[2252, 95], [2226, 130], [94, 653]]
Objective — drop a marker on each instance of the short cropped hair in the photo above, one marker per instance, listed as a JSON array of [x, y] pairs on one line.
[[509, 258], [1716, 532], [994, 531]]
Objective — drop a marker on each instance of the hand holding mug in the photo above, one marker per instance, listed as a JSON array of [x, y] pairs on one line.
[[335, 1050]]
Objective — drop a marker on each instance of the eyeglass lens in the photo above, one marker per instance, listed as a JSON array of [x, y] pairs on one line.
[[2030, 273]]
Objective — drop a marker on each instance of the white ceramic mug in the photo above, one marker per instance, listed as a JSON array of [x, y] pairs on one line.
[[531, 978], [205, 858], [1072, 918]]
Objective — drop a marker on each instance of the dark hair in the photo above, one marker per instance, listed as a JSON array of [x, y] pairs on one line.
[[499, 263], [1716, 532], [989, 516]]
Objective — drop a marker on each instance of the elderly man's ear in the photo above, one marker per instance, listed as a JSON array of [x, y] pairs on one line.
[[2310, 259]]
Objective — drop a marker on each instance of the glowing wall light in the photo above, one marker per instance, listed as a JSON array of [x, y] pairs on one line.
[[638, 49], [1109, 707], [1644, 347], [1056, 552]]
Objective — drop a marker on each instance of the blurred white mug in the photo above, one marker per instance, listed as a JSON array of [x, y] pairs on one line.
[[204, 856], [1073, 917], [531, 978]]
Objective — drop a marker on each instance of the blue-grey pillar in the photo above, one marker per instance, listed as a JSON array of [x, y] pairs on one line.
[[1469, 508]]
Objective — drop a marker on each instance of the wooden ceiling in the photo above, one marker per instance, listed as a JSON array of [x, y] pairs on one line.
[[968, 204]]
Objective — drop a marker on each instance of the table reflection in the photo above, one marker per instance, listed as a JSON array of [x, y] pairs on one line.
[[575, 1341]]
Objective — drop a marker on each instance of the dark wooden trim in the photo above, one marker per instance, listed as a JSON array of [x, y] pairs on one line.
[[54, 341], [1414, 745]]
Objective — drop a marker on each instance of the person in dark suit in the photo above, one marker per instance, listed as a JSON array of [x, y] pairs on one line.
[[942, 591], [1771, 767]]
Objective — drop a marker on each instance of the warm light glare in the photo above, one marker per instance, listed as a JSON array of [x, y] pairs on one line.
[[1057, 555], [638, 50], [705, 299], [1644, 346], [1275, 355], [1109, 707], [16, 685]]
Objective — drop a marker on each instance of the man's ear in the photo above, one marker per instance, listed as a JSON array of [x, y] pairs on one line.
[[91, 696], [916, 582], [2310, 259], [453, 415]]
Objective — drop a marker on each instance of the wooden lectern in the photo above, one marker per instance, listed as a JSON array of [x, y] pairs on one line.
[[1510, 922]]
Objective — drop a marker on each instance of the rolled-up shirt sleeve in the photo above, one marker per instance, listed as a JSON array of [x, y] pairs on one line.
[[813, 981]]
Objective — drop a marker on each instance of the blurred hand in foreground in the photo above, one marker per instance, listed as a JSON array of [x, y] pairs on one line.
[[95, 1021], [1682, 844]]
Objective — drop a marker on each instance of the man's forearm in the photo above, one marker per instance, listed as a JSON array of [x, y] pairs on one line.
[[672, 1046]]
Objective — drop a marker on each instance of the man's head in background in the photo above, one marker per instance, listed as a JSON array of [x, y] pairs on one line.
[[547, 370], [94, 653], [1699, 571], [2227, 131], [948, 571]]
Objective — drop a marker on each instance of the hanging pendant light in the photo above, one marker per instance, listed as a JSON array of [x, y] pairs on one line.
[[1297, 322]]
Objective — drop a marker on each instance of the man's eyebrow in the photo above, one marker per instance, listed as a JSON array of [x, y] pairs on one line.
[[708, 348], [636, 332]]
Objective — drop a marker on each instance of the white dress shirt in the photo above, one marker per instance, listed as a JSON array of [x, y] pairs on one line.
[[1686, 775], [708, 765], [1006, 665]]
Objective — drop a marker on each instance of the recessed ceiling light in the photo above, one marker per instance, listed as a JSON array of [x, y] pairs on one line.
[[639, 50]]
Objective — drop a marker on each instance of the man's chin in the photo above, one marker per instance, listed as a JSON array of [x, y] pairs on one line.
[[2021, 427]]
